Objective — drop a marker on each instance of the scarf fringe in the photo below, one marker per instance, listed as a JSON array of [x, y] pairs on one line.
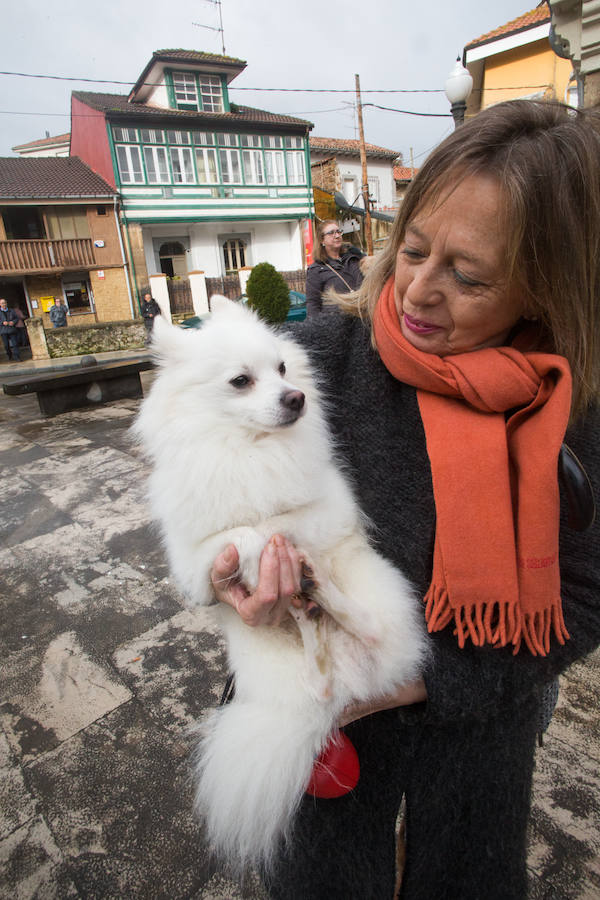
[[495, 623]]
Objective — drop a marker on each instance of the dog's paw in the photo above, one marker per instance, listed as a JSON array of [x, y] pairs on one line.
[[250, 544]]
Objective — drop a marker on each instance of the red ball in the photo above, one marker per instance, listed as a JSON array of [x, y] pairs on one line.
[[336, 769]]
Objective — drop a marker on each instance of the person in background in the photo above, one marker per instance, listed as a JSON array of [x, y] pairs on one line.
[[8, 331], [337, 266], [22, 330], [58, 314], [149, 309], [463, 387]]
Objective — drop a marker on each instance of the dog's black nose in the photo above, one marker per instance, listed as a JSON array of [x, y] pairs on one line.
[[293, 400]]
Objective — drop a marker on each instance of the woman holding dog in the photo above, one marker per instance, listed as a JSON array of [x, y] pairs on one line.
[[464, 379], [337, 267]]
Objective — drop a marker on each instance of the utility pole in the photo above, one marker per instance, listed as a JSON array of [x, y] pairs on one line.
[[365, 179]]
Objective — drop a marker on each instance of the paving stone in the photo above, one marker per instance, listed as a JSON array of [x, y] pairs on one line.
[[32, 866]]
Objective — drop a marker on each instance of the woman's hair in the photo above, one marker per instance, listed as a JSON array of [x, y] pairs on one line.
[[546, 157], [319, 250]]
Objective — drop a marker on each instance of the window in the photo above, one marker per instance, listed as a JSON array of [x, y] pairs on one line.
[[272, 142], [182, 165], [203, 137], [125, 134], [294, 143], [295, 167], [250, 140], [234, 254], [157, 167], [253, 166], [64, 224], [275, 165], [227, 140], [206, 166], [152, 136], [184, 87], [230, 166], [178, 137], [130, 164], [373, 182], [211, 93]]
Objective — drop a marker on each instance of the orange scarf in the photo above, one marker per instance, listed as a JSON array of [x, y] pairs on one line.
[[495, 483]]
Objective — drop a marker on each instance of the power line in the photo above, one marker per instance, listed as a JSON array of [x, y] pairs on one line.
[[271, 89]]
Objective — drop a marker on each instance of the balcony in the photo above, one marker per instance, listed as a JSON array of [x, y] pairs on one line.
[[39, 256]]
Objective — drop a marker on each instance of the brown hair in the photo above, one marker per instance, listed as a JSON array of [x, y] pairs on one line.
[[546, 157]]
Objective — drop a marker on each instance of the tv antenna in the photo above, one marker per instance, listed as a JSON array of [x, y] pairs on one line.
[[211, 27]]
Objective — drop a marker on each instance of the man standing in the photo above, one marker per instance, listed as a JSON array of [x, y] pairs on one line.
[[58, 314], [149, 309], [8, 331]]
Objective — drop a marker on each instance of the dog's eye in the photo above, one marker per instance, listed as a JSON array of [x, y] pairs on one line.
[[241, 381], [282, 368]]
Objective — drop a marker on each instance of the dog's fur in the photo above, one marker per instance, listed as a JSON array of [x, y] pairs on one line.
[[237, 457]]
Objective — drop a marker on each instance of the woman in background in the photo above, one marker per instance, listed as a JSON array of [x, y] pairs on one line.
[[337, 266]]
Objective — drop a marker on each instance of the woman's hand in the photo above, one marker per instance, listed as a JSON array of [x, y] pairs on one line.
[[414, 692], [279, 583]]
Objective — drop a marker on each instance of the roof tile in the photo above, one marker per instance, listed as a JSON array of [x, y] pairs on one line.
[[530, 19], [50, 177], [340, 145], [119, 104]]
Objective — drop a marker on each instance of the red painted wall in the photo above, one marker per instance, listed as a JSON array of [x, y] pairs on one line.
[[89, 139]]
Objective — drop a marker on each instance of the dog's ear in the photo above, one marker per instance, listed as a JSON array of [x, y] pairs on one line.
[[168, 341]]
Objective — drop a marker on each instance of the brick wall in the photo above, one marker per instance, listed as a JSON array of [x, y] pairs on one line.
[[110, 295], [326, 175], [104, 228]]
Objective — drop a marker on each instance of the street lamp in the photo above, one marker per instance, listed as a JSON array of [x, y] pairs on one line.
[[458, 87]]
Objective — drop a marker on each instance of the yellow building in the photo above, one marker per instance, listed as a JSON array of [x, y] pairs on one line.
[[516, 60]]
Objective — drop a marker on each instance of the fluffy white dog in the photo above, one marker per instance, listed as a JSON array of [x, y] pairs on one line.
[[234, 427]]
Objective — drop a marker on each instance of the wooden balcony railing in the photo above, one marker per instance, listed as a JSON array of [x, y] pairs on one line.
[[40, 255]]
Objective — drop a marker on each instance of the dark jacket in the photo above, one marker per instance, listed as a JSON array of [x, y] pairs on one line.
[[343, 275], [463, 760], [150, 308], [10, 316]]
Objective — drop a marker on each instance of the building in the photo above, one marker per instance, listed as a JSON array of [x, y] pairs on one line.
[[516, 60], [206, 185], [57, 145], [336, 166], [403, 175], [60, 237], [576, 37]]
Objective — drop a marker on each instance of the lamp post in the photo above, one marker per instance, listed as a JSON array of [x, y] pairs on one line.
[[458, 87]]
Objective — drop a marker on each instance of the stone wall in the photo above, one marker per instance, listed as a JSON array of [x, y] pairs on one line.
[[78, 340], [326, 175]]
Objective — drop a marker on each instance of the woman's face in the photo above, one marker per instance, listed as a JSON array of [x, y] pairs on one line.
[[451, 290], [332, 239]]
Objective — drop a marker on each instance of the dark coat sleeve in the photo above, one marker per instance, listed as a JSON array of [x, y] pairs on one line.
[[314, 289]]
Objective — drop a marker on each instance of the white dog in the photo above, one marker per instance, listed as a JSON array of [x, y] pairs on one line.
[[235, 430]]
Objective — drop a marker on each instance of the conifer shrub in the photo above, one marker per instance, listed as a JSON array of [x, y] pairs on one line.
[[268, 293]]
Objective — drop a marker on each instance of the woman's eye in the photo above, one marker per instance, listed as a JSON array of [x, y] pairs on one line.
[[411, 253], [282, 368], [240, 381], [465, 280]]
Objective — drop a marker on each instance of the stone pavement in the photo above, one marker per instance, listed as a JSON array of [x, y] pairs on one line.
[[102, 671]]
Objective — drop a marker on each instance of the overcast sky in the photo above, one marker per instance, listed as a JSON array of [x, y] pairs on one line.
[[398, 45]]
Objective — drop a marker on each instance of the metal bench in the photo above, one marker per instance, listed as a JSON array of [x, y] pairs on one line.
[[89, 385]]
